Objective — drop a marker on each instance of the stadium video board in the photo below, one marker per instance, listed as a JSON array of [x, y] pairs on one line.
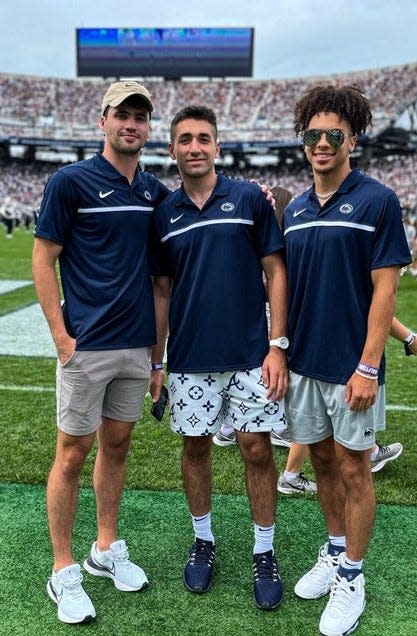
[[169, 53]]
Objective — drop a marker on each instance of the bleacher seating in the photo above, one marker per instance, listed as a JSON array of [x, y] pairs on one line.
[[250, 110]]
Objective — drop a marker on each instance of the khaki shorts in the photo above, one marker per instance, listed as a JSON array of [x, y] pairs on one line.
[[316, 410], [96, 384], [201, 402]]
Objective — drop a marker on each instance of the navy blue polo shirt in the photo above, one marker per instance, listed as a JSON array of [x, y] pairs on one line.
[[331, 252], [102, 223], [217, 318]]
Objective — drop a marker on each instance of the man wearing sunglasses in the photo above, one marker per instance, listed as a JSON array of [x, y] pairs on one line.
[[345, 245]]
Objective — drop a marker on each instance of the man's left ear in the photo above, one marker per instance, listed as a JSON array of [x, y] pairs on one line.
[[352, 143], [171, 152], [101, 123]]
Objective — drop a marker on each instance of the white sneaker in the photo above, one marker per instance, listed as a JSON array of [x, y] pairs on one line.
[[318, 581], [345, 606], [114, 564], [281, 438], [64, 588], [299, 486], [386, 454], [224, 439]]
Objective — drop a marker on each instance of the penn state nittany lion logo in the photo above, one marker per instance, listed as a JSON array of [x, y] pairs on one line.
[[346, 208], [228, 207]]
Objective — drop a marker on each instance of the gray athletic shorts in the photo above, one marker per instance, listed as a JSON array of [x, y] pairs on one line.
[[316, 410], [201, 402], [92, 384]]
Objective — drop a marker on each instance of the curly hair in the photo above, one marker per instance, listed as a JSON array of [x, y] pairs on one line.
[[347, 101]]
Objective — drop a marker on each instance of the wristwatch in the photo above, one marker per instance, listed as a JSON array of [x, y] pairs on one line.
[[282, 343]]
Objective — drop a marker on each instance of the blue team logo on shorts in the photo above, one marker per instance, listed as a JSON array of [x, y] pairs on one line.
[[368, 432], [346, 208], [228, 207]]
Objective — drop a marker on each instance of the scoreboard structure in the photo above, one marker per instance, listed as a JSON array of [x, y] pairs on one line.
[[170, 53]]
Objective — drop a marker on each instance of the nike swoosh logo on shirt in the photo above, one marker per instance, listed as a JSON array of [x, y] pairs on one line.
[[299, 212], [103, 195], [177, 218]]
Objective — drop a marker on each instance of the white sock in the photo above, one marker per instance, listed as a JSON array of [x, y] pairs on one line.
[[291, 477], [348, 564], [202, 527], [264, 538], [226, 429], [374, 454], [337, 542]]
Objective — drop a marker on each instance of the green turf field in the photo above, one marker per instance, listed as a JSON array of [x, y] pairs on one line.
[[155, 520]]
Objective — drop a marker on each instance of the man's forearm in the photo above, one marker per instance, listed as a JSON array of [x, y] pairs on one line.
[[162, 294], [380, 316]]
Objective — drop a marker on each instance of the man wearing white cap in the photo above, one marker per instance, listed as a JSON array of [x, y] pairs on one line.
[[94, 221]]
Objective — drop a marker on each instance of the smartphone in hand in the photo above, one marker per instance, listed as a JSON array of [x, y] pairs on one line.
[[158, 408]]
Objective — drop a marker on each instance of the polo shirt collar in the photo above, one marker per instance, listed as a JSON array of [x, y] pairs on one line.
[[221, 189], [107, 169], [347, 184]]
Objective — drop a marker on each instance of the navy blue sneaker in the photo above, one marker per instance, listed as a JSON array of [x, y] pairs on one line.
[[267, 586], [198, 570]]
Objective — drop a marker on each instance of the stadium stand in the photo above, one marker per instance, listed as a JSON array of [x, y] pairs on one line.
[[250, 110], [37, 112]]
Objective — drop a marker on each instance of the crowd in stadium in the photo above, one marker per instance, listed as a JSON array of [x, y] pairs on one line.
[[24, 184], [257, 109]]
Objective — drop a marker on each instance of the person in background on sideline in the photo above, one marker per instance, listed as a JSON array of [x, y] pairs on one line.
[[292, 479]]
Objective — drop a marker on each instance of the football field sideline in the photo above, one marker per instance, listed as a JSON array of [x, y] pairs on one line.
[[49, 389], [157, 527]]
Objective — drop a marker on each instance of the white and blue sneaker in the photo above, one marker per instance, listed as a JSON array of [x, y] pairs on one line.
[[345, 605], [318, 581], [114, 564], [64, 588]]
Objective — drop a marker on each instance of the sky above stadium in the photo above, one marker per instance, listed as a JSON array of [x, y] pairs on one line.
[[292, 37]]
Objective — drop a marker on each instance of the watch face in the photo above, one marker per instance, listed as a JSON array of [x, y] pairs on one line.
[[282, 343]]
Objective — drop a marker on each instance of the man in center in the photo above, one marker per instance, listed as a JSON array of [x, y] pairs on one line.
[[213, 239]]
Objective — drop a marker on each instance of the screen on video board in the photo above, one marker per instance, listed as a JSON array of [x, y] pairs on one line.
[[170, 53]]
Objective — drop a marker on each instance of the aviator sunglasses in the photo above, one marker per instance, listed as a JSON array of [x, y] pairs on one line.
[[335, 137]]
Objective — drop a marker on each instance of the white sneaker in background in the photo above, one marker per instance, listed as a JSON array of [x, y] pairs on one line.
[[386, 454], [299, 486]]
